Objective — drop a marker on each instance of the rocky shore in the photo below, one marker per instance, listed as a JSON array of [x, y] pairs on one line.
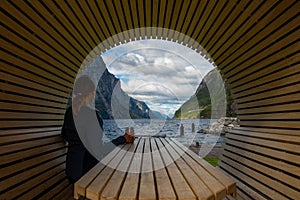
[[221, 126]]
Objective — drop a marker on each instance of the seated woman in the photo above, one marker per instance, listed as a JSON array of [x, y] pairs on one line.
[[83, 130]]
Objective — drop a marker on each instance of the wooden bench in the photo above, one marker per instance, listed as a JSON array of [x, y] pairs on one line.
[[154, 168]]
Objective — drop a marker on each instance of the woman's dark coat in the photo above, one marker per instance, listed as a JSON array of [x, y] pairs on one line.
[[79, 160]]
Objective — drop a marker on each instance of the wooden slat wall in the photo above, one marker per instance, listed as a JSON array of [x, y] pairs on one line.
[[254, 43], [38, 65]]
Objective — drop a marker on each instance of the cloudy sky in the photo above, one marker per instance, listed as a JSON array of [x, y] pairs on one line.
[[163, 74]]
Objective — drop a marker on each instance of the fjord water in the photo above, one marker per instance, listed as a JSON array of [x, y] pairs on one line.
[[170, 128]]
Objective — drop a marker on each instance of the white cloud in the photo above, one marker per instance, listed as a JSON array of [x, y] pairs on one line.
[[132, 59], [163, 74]]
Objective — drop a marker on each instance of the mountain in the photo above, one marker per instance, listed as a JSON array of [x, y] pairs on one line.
[[138, 109], [158, 115], [111, 101], [114, 103], [199, 105]]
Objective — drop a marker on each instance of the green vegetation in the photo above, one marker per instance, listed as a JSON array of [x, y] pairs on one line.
[[212, 161], [188, 115], [199, 105], [194, 107], [206, 113]]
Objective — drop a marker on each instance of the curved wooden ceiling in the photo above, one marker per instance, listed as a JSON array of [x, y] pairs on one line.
[[254, 43]]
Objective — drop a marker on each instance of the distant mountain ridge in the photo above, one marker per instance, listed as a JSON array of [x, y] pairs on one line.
[[158, 115], [113, 103], [109, 85], [199, 104]]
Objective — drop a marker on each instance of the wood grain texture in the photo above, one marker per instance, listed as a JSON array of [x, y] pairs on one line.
[[255, 44]]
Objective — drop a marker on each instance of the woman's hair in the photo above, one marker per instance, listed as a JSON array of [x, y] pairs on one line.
[[82, 88]]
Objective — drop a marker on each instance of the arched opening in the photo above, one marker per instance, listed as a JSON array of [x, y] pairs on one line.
[[162, 75]]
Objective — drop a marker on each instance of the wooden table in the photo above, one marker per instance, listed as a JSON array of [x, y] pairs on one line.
[[154, 168]]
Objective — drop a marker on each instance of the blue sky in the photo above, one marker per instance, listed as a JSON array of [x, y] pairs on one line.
[[161, 73]]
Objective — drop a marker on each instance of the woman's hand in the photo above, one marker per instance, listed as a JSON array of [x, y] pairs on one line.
[[129, 138]]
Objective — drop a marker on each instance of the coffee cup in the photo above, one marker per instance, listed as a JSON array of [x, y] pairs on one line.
[[130, 131]]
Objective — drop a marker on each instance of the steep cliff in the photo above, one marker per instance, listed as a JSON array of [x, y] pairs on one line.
[[113, 102], [199, 104]]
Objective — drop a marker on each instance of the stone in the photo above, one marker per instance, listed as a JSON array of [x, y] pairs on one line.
[[221, 126]]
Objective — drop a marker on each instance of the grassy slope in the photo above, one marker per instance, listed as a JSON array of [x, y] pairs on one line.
[[212, 161], [199, 105]]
